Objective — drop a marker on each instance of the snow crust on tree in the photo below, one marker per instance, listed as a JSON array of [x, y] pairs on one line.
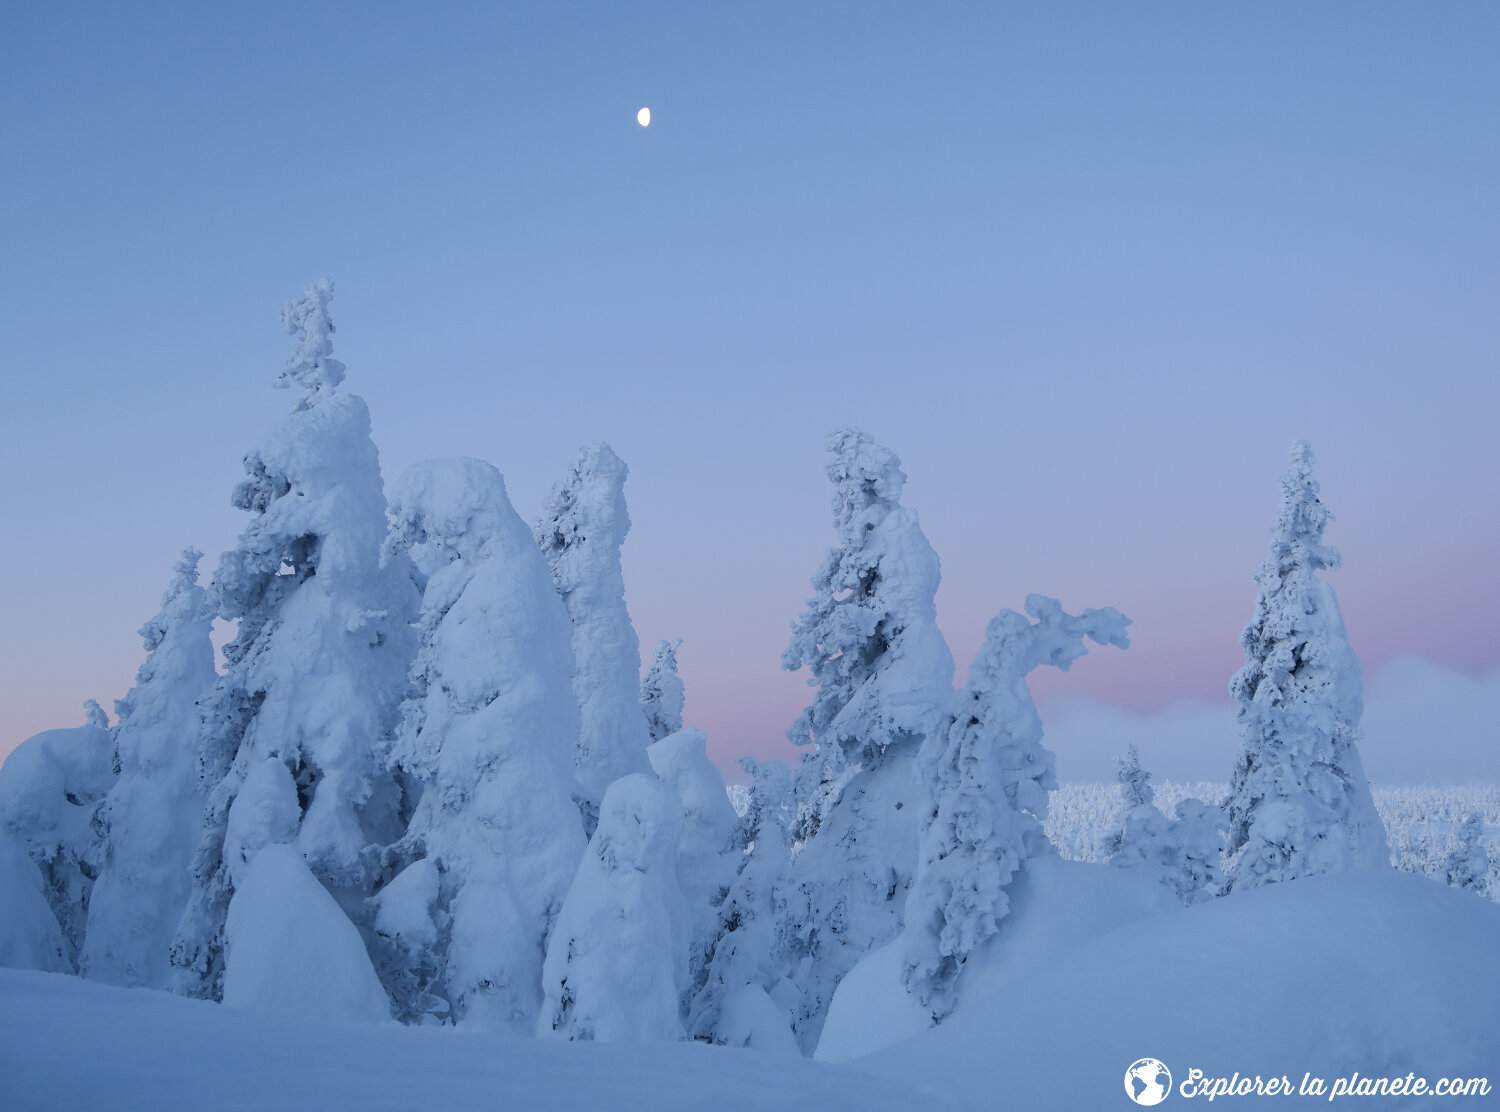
[[1183, 855], [1299, 804], [662, 692], [93, 715], [29, 934], [291, 950], [582, 527], [153, 815], [489, 734], [316, 672], [988, 777], [708, 857], [884, 684], [745, 959], [50, 787], [617, 959]]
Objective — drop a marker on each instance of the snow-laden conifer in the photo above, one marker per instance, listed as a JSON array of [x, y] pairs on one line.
[[1182, 855], [1299, 804], [1468, 865], [617, 957], [316, 672], [745, 958], [662, 692], [883, 677], [488, 733], [580, 532], [987, 780], [153, 816]]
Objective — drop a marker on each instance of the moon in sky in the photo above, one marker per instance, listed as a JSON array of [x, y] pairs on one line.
[[643, 117]]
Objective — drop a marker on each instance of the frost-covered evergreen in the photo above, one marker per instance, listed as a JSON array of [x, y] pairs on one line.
[[29, 935], [662, 692], [153, 816], [50, 789], [580, 532], [988, 777], [707, 854], [1183, 855], [744, 965], [1299, 804], [315, 675], [93, 715], [488, 733], [617, 958], [884, 676], [1468, 865]]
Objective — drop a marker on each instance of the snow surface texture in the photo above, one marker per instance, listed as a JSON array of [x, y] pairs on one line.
[[153, 816], [67, 1045], [884, 680], [580, 532], [315, 676], [291, 951], [1299, 804], [488, 734], [49, 788], [617, 962]]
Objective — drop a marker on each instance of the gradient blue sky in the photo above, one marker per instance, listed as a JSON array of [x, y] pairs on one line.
[[1087, 268]]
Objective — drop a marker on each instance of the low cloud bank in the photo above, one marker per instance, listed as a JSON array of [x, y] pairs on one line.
[[1424, 724]]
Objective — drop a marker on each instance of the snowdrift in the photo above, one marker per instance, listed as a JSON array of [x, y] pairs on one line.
[[70, 1044], [1378, 972]]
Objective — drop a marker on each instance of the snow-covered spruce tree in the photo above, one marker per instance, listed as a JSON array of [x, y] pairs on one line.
[[1299, 804], [153, 816], [987, 779], [580, 532], [50, 789], [617, 958], [884, 680], [488, 733], [1183, 855], [732, 1006], [662, 692], [316, 672], [1468, 865], [708, 855]]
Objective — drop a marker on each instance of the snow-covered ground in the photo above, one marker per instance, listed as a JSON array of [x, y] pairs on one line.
[[1382, 973]]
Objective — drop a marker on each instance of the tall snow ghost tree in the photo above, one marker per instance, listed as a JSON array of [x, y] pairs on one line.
[[488, 732], [617, 959], [315, 675], [153, 815], [580, 532], [1299, 804], [662, 692], [988, 777], [884, 680]]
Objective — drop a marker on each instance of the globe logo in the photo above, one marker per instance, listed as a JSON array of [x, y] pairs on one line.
[[1148, 1081]]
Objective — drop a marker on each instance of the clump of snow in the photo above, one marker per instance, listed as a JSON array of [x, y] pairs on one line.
[[29, 935], [290, 950], [662, 691], [50, 787], [617, 959]]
